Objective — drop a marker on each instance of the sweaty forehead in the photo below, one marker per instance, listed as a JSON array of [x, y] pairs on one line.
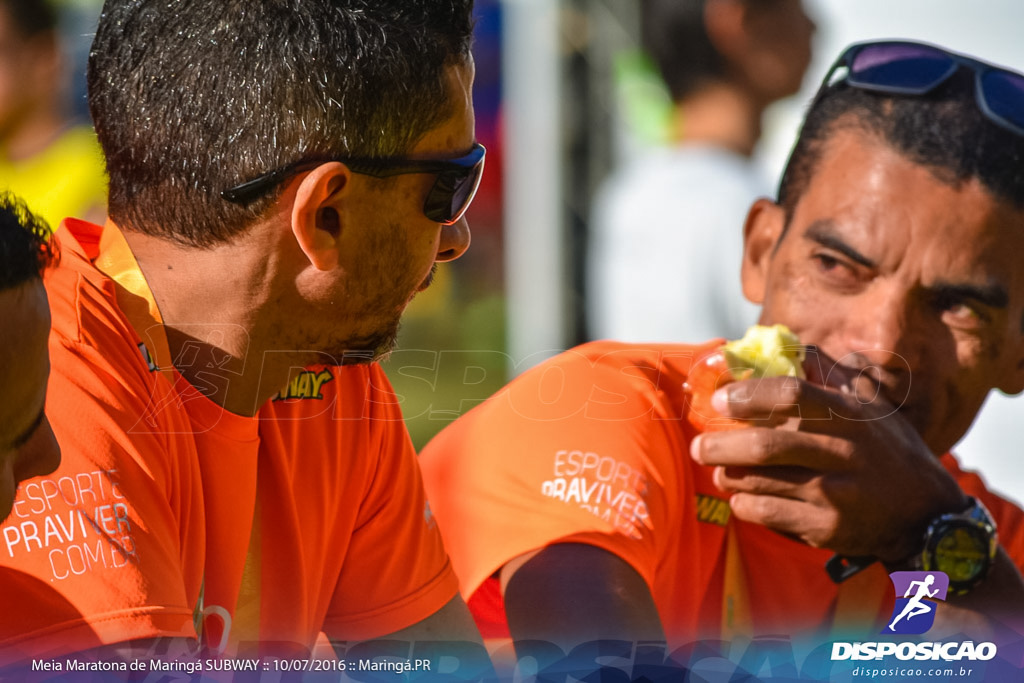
[[899, 213]]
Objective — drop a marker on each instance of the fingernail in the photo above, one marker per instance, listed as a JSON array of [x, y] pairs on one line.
[[720, 401], [695, 447]]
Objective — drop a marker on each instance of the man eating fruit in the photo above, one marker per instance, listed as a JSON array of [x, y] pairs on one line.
[[587, 500]]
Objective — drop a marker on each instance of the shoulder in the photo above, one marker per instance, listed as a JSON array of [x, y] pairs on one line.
[[85, 314], [598, 388], [586, 373], [1008, 516], [687, 171], [681, 186]]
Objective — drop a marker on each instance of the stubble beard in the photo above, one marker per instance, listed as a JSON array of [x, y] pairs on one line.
[[368, 350], [359, 350]]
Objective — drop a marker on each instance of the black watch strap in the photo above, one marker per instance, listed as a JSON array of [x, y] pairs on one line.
[[961, 544], [842, 567]]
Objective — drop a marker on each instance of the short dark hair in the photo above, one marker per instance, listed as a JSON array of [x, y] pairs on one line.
[[195, 96], [31, 17], [944, 131], [674, 35], [26, 247]]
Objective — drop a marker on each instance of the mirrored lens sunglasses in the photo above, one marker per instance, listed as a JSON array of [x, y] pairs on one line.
[[451, 194], [904, 67]]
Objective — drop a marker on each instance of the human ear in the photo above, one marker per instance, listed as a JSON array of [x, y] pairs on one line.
[[765, 225], [724, 25], [316, 218]]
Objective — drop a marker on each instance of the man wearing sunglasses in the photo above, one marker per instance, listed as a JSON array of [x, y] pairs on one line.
[[283, 179], [583, 502]]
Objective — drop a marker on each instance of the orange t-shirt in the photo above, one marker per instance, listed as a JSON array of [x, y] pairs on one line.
[[593, 446], [172, 517]]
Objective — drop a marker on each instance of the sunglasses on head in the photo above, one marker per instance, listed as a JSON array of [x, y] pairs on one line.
[[453, 190], [903, 67]]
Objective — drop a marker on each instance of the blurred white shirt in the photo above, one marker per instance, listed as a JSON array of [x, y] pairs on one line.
[[994, 446], [666, 246]]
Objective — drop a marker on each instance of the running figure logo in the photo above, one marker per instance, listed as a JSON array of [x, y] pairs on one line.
[[914, 612]]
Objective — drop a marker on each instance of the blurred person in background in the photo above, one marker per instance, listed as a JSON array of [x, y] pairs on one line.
[[54, 163], [27, 444], [666, 239]]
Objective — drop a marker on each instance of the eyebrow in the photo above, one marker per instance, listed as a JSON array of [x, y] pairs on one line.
[[23, 438], [993, 295], [823, 232]]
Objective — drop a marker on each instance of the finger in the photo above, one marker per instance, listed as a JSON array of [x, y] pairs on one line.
[[822, 370], [801, 519], [788, 482], [776, 398], [757, 447], [854, 374]]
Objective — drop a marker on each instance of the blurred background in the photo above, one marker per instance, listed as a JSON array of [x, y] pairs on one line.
[[564, 96]]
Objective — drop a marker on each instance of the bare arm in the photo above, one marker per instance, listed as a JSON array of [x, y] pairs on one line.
[[448, 632], [452, 622], [571, 593]]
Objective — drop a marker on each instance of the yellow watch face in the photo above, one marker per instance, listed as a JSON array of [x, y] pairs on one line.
[[962, 553]]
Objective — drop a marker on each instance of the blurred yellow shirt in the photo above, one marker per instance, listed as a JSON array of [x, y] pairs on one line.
[[68, 178]]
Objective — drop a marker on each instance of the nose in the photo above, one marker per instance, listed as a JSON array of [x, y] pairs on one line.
[[454, 242], [806, 30], [883, 335], [809, 23]]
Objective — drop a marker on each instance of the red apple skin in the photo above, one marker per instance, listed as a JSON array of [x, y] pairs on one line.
[[707, 375]]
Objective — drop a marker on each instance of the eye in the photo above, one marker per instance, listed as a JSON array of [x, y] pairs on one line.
[[826, 261], [964, 315], [957, 312], [834, 270]]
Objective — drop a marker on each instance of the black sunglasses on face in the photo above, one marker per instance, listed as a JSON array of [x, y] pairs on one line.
[[904, 67], [453, 190]]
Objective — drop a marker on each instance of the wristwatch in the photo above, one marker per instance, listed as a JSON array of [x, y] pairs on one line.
[[961, 544]]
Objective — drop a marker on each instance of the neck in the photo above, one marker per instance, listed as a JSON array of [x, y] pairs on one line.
[[220, 313], [720, 114]]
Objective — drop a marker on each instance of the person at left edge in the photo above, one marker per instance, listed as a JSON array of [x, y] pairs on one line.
[[27, 445], [282, 181]]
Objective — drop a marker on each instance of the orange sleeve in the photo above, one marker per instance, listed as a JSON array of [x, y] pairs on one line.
[[396, 572], [95, 552], [1008, 517], [575, 450]]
